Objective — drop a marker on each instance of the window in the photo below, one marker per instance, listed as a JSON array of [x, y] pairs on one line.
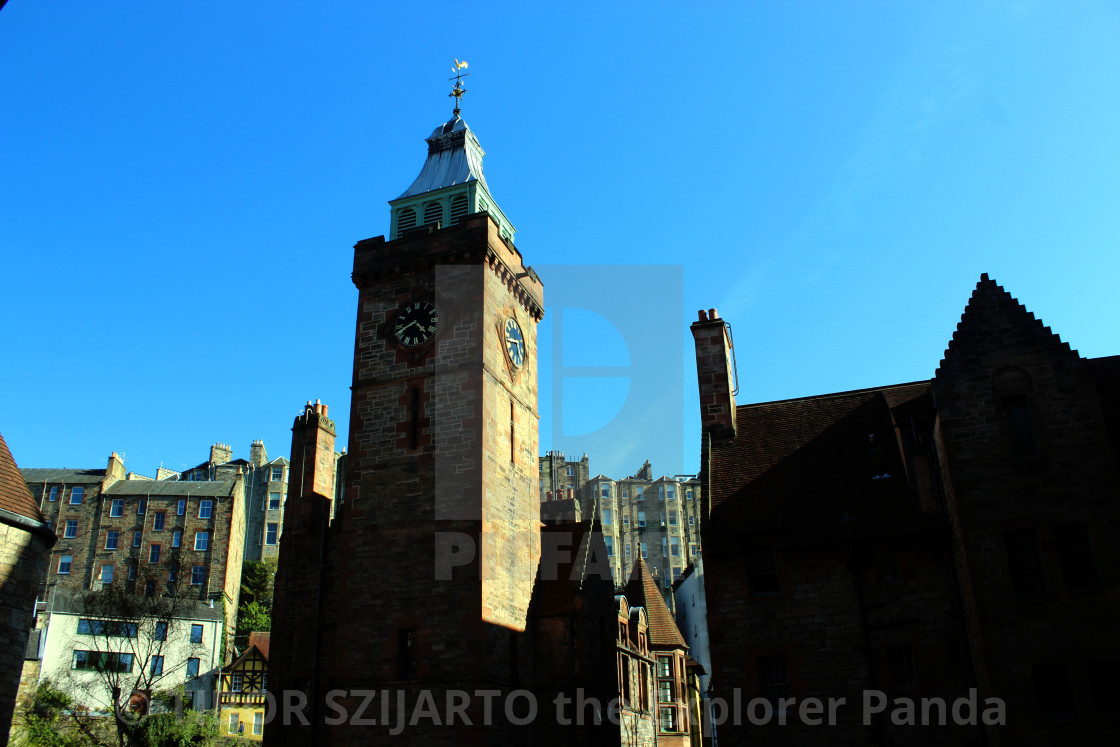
[[406, 654], [192, 667], [645, 550], [628, 551], [664, 666], [662, 518], [270, 533], [114, 628], [198, 575], [406, 220], [54, 494], [660, 492], [670, 492], [157, 666], [458, 208], [196, 633], [626, 520], [273, 501], [201, 541], [672, 518], [1051, 684], [71, 529], [264, 682], [605, 489], [665, 691], [1078, 564], [204, 509], [691, 520], [106, 574], [131, 571], [606, 517], [668, 718], [153, 553], [64, 562], [160, 633], [688, 495], [641, 492], [691, 550], [173, 574], [664, 546], [176, 538], [900, 664], [1025, 560], [76, 496], [182, 507], [137, 539], [258, 723], [277, 474], [773, 677], [142, 507], [762, 572], [116, 508], [675, 546], [236, 682], [158, 521], [149, 588], [234, 722], [112, 537], [570, 472], [641, 518], [102, 661], [625, 492], [610, 546]]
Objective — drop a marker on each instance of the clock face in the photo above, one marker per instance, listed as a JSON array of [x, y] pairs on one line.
[[416, 323], [515, 342]]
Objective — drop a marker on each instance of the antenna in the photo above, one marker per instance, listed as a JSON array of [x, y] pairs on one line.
[[458, 91]]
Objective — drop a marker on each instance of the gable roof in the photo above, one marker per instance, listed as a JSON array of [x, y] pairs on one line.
[[642, 591], [67, 475], [15, 496], [261, 641]]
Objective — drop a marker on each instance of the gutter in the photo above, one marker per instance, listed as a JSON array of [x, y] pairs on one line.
[[34, 526]]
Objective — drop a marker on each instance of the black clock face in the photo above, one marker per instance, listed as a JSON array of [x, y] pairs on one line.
[[515, 342], [416, 323]]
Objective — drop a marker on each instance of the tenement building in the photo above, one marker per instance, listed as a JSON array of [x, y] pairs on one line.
[[937, 552], [484, 628], [656, 519]]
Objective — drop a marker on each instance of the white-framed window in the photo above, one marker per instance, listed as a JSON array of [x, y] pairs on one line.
[[71, 529], [142, 507], [201, 541], [182, 510], [277, 474], [64, 562], [76, 495], [660, 492], [192, 667], [270, 533], [273, 501], [675, 546], [106, 574], [692, 550], [132, 571], [645, 551], [205, 509], [671, 492], [116, 508], [672, 518], [112, 537], [626, 520], [606, 517], [176, 537], [664, 547], [691, 520], [137, 539], [198, 575], [627, 550], [605, 490], [641, 492], [571, 471], [610, 546], [236, 682], [662, 518], [258, 723], [234, 722], [688, 494], [54, 493], [641, 518], [625, 492], [196, 633]]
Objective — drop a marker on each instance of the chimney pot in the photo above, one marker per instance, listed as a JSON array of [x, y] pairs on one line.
[[324, 411], [702, 315], [713, 314]]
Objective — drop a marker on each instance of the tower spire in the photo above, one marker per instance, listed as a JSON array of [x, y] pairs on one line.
[[458, 91]]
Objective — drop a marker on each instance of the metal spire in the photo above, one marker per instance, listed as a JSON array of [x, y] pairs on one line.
[[458, 91]]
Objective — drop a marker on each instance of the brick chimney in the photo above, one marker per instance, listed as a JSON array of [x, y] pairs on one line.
[[715, 366]]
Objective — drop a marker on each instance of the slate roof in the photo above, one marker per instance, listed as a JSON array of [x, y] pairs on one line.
[[642, 591], [68, 475], [171, 487], [15, 496]]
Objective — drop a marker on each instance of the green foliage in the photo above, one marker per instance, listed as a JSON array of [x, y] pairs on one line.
[[251, 616], [255, 612], [50, 718], [192, 729]]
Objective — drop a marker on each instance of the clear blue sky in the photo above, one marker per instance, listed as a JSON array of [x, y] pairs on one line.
[[182, 184]]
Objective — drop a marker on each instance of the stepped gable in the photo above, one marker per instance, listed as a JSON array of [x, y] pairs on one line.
[[993, 315], [772, 434], [15, 496], [642, 591]]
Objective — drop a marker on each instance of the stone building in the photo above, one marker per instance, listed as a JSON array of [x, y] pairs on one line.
[[25, 543], [479, 607], [657, 519], [942, 540], [168, 537]]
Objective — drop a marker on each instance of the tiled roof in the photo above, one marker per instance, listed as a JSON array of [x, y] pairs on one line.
[[171, 487], [642, 591], [261, 641], [67, 475], [14, 493]]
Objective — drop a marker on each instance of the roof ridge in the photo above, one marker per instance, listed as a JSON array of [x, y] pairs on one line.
[[663, 630], [837, 395]]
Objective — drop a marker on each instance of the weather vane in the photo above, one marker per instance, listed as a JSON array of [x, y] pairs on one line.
[[458, 91]]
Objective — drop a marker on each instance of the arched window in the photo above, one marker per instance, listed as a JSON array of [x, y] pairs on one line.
[[1012, 390], [458, 208], [433, 213], [406, 219]]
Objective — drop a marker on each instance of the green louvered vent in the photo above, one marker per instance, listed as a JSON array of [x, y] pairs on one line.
[[406, 220], [458, 208], [433, 213]]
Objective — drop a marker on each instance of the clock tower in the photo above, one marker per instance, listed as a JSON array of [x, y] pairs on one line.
[[418, 577]]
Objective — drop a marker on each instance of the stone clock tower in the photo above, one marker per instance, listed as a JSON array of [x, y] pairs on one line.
[[418, 577]]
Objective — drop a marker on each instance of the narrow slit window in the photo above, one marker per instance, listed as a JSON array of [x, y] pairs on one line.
[[512, 435], [414, 419]]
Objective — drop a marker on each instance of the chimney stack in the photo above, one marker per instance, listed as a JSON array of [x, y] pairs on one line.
[[715, 366]]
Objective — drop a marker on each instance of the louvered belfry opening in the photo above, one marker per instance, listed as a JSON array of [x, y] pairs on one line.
[[406, 220], [433, 213], [458, 208]]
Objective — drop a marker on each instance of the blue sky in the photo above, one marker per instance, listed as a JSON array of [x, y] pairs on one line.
[[183, 184]]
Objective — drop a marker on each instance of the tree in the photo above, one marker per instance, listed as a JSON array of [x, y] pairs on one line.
[[132, 641], [255, 611]]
